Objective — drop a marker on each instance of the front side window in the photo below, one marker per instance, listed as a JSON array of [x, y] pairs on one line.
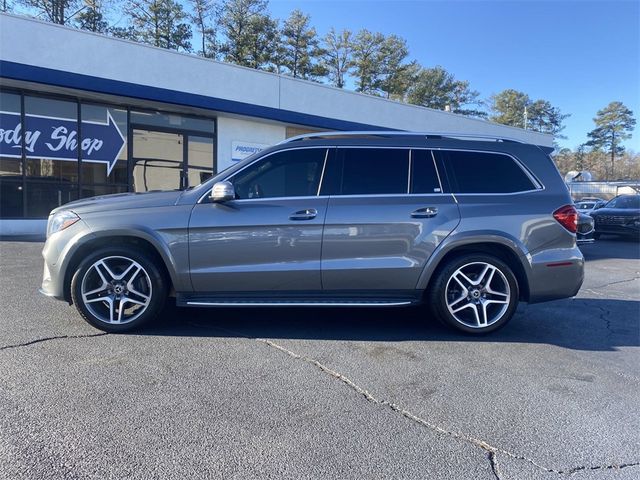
[[291, 173], [368, 171], [484, 172]]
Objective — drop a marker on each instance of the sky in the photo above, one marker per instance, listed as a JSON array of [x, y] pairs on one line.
[[579, 55]]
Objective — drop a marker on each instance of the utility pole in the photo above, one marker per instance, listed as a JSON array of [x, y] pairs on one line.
[[526, 117]]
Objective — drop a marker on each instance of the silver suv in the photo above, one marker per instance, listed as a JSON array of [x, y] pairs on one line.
[[466, 226]]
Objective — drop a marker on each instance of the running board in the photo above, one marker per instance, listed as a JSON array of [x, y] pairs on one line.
[[197, 301]]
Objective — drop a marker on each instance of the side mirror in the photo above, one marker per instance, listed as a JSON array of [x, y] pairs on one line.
[[223, 192]]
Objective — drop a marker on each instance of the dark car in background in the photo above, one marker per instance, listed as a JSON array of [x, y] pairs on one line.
[[621, 216]]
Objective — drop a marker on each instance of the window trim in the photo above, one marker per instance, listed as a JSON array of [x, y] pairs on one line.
[[537, 184]]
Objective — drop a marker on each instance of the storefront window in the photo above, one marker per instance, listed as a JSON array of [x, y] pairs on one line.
[[10, 136], [97, 190], [167, 120], [74, 149], [200, 160], [103, 151], [44, 196], [51, 139]]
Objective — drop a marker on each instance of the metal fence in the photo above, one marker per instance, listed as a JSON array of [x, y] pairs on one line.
[[604, 190]]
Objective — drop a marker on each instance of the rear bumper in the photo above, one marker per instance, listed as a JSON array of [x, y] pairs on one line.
[[555, 274]]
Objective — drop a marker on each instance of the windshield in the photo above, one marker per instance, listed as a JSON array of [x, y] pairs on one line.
[[585, 205], [626, 201]]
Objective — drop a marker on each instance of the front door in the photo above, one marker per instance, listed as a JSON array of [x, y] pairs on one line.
[[269, 238]]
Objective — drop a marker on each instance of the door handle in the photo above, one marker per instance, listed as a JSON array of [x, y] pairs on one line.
[[426, 212], [308, 214]]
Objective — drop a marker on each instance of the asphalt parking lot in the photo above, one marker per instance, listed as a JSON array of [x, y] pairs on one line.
[[340, 393]]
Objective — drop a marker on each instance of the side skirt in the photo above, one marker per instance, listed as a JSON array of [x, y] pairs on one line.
[[300, 299]]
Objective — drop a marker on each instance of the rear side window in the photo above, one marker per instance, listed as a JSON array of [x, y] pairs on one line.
[[424, 178], [367, 171], [484, 172]]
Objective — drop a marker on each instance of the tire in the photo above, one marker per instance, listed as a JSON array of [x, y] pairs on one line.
[[474, 293], [118, 289]]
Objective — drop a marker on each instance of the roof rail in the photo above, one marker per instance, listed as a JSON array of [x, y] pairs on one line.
[[400, 133]]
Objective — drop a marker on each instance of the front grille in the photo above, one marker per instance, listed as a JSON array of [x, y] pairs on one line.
[[585, 228], [612, 219]]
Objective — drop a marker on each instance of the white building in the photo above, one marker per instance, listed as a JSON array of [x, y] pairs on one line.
[[151, 118]]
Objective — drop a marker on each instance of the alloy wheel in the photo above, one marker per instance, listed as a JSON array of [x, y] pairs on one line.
[[116, 290], [477, 295]]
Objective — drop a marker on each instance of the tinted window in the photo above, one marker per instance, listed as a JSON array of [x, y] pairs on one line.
[[293, 173], [368, 171], [627, 201], [480, 172], [424, 178]]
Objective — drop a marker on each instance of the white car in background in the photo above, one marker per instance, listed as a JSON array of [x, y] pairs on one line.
[[588, 205]]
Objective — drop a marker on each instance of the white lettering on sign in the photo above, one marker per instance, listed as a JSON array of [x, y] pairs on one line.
[[13, 138], [241, 150]]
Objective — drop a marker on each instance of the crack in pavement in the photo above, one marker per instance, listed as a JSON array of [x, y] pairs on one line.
[[46, 339], [492, 452], [628, 280]]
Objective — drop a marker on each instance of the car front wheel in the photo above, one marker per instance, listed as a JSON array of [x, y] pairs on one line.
[[118, 289], [475, 293]]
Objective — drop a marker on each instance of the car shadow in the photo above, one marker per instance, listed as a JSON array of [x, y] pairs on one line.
[[581, 324], [610, 246]]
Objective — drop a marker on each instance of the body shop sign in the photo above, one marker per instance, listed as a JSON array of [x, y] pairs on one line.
[[57, 139]]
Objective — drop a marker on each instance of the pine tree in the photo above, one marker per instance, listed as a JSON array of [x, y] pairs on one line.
[[56, 11], [437, 88], [240, 23], [92, 17], [301, 47], [162, 23], [337, 57], [206, 18], [614, 124]]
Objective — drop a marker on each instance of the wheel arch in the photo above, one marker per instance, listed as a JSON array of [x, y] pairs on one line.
[[141, 242], [505, 249]]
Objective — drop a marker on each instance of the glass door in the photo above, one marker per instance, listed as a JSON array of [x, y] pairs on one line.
[[170, 160], [158, 160]]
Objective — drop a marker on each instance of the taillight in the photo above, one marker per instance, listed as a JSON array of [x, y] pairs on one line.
[[567, 216]]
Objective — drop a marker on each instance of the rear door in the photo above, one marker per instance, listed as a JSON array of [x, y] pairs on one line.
[[386, 214]]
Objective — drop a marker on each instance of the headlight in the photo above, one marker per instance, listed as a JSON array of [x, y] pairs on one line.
[[60, 221]]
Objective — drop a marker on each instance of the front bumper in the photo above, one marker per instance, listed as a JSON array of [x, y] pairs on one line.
[[57, 253]]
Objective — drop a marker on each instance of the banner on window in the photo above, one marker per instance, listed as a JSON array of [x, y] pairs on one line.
[[57, 139]]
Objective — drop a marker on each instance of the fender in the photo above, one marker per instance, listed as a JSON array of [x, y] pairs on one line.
[[469, 238], [178, 279]]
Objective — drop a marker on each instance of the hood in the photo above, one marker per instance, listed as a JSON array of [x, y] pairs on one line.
[[620, 212], [122, 201]]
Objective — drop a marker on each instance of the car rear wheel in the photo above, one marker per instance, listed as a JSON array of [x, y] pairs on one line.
[[118, 289], [475, 293]]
